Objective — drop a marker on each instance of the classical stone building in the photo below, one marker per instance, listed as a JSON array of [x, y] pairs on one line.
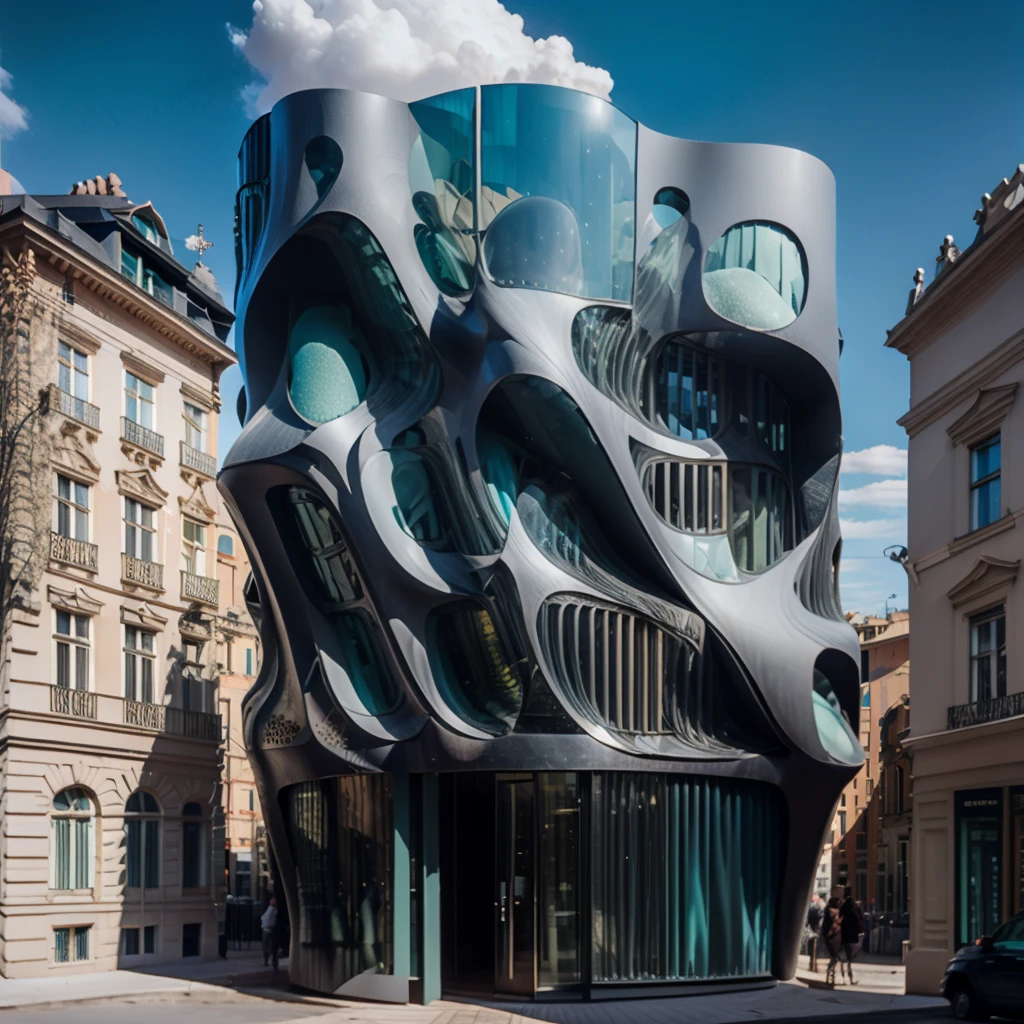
[[110, 738], [964, 338]]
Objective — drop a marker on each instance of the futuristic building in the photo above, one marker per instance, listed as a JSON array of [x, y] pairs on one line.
[[538, 478]]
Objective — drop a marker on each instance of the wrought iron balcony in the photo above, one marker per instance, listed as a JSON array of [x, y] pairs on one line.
[[76, 703], [200, 588], [143, 573], [77, 408], [982, 711], [197, 725], [192, 458], [135, 433], [73, 552]]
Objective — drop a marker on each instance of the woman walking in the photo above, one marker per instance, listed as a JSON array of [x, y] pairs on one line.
[[831, 933]]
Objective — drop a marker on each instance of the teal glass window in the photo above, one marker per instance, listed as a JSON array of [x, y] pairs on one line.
[[985, 482], [226, 544], [756, 275], [670, 204], [687, 390], [441, 179], [328, 375], [472, 666], [322, 538], [323, 162], [834, 730], [365, 664], [760, 517], [146, 228], [129, 266], [558, 192], [415, 508]]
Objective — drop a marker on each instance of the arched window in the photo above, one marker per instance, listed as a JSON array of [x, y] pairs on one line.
[[142, 840], [72, 840], [193, 862]]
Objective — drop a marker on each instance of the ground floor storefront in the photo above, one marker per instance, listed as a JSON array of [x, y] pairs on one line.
[[967, 843], [533, 884]]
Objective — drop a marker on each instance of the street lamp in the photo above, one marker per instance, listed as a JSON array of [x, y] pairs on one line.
[[891, 597]]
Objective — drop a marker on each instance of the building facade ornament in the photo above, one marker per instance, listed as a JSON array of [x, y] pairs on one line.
[[143, 616], [142, 368], [73, 452], [78, 601], [140, 484], [195, 504], [988, 575], [984, 416]]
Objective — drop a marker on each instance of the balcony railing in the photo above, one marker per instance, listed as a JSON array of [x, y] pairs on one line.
[[135, 433], [76, 703], [139, 571], [73, 552], [77, 408], [197, 725], [199, 588], [192, 458], [982, 711]]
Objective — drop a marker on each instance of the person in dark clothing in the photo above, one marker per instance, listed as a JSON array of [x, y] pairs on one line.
[[851, 928], [831, 933], [815, 912]]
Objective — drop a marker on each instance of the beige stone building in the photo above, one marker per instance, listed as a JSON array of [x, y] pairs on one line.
[[964, 338], [238, 653], [111, 834]]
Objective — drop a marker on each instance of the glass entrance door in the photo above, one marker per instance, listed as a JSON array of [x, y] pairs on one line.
[[514, 903]]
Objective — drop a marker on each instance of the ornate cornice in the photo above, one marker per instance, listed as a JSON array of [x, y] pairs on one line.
[[142, 369], [143, 616], [983, 418], [208, 400], [77, 601], [72, 331], [140, 484], [987, 576]]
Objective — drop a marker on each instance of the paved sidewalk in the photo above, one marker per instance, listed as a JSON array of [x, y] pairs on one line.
[[873, 973]]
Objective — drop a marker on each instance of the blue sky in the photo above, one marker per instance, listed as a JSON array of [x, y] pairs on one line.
[[916, 108]]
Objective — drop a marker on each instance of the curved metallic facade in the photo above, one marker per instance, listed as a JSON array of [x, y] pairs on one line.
[[538, 474]]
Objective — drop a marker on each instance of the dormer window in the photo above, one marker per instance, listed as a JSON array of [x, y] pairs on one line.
[[146, 228]]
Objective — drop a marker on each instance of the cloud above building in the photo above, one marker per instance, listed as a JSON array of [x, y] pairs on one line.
[[13, 116], [877, 494], [405, 49], [880, 460]]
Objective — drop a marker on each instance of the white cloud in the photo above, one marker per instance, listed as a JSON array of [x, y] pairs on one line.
[[405, 49], [13, 116], [879, 494], [873, 529], [881, 460]]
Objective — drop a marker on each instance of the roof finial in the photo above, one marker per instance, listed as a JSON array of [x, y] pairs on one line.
[[918, 290], [948, 254], [199, 245]]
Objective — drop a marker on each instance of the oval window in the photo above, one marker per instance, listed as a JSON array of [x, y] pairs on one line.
[[756, 275], [670, 204], [323, 161], [327, 373]]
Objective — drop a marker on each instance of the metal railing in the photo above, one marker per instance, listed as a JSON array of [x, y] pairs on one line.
[[198, 725], [144, 715], [981, 711], [135, 433], [199, 588], [77, 408], [192, 458], [73, 552], [138, 570], [76, 703]]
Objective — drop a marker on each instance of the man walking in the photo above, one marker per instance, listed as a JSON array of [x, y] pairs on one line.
[[814, 915], [268, 922]]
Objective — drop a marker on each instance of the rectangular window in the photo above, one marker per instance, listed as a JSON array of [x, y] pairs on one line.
[[129, 266], [72, 636], [139, 530], [139, 401], [191, 935], [248, 661], [193, 546], [985, 476], [195, 427], [129, 941], [229, 646], [72, 508], [70, 944], [142, 852], [979, 862], [198, 694], [149, 938], [252, 800], [72, 371], [139, 661], [988, 655], [153, 283]]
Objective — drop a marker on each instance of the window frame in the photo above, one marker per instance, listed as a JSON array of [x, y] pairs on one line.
[[995, 655], [192, 676], [193, 859], [134, 390], [144, 818], [196, 423], [74, 858], [189, 547], [72, 944], [138, 530], [140, 657], [70, 363], [984, 482], [76, 511], [73, 640]]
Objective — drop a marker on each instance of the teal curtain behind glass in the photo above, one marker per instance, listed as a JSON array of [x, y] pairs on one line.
[[685, 877]]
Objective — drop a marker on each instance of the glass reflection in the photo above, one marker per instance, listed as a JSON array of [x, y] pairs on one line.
[[573, 157], [761, 517], [558, 954], [834, 730]]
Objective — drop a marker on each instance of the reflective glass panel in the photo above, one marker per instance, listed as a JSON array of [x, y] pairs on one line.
[[558, 894], [756, 275], [558, 191], [834, 730]]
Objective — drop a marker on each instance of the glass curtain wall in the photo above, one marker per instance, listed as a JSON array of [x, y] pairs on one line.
[[340, 831], [684, 878]]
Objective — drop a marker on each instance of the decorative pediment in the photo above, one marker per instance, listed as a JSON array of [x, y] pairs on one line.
[[74, 333], [77, 601], [73, 452], [142, 616], [195, 504], [141, 485], [988, 576], [142, 369], [983, 418], [196, 628]]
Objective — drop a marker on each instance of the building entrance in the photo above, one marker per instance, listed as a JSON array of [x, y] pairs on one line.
[[515, 899]]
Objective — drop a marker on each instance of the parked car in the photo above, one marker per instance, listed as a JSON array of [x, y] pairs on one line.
[[988, 977]]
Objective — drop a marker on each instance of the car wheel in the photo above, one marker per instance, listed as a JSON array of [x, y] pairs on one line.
[[965, 1005]]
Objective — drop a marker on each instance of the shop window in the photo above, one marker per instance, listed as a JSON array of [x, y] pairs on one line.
[[72, 840], [985, 483], [756, 275], [988, 655], [979, 863], [142, 841]]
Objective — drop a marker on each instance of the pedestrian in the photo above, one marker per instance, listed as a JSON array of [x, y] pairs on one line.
[[851, 927], [831, 934], [815, 912], [268, 922]]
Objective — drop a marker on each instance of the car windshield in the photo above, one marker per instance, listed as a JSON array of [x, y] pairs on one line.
[[1010, 935]]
